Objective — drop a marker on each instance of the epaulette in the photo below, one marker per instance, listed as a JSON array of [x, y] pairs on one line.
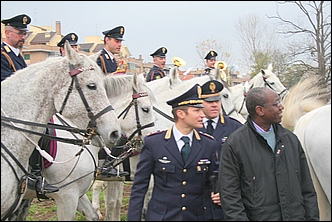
[[207, 135], [7, 48], [156, 132]]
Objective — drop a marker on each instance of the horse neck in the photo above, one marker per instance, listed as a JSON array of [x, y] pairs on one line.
[[32, 99]]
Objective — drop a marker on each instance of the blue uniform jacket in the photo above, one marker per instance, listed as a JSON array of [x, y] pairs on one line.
[[106, 63], [178, 191], [225, 126], [7, 68], [155, 73]]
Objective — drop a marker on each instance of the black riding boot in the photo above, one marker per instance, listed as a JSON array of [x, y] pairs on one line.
[[126, 167], [36, 181], [107, 169]]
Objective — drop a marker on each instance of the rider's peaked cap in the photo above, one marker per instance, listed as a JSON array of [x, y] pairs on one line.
[[211, 55], [161, 52], [211, 90], [116, 33], [190, 98], [18, 22], [71, 37]]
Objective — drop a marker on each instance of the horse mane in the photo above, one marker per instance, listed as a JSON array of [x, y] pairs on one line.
[[117, 84], [308, 94]]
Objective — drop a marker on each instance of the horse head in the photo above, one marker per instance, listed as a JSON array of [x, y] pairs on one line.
[[88, 99], [266, 78]]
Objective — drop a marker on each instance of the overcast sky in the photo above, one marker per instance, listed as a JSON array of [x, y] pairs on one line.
[[177, 25]]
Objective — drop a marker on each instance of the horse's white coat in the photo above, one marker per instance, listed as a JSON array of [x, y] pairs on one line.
[[36, 93], [306, 110]]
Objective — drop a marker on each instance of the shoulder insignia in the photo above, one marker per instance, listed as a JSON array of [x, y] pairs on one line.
[[7, 48], [207, 135], [106, 56], [156, 132]]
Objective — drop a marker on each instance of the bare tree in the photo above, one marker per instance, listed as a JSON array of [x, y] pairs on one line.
[[220, 47], [313, 50], [258, 41]]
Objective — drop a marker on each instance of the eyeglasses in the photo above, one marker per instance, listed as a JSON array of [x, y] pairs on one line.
[[277, 104], [20, 33]]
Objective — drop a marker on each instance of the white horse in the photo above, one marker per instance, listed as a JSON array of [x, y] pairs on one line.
[[36, 93], [77, 166], [306, 111], [265, 78]]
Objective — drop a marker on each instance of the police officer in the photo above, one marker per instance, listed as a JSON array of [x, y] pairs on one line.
[[210, 60], [11, 61], [112, 44], [16, 34], [72, 39], [181, 160], [220, 127], [159, 60]]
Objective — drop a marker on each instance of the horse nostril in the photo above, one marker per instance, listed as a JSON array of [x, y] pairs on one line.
[[115, 135]]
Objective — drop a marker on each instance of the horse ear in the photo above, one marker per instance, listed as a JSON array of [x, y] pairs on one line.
[[174, 74], [94, 57], [71, 54], [270, 68]]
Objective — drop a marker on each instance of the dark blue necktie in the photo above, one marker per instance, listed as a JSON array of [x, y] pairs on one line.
[[185, 151], [210, 128]]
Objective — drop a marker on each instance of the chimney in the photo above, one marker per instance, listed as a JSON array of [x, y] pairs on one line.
[[58, 27]]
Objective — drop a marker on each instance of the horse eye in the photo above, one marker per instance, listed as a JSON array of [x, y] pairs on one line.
[[225, 96], [92, 86], [146, 110]]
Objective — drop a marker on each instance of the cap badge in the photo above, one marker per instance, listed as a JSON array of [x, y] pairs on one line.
[[121, 31], [25, 20], [163, 49], [199, 91], [73, 37], [212, 53], [212, 87]]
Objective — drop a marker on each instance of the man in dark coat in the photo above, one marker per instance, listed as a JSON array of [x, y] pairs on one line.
[[180, 170], [220, 127], [263, 171], [159, 60], [16, 34], [112, 45]]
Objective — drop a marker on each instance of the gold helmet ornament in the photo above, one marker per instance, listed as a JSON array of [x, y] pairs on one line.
[[177, 61]]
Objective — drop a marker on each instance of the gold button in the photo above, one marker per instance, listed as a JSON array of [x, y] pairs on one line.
[[184, 182], [184, 170], [183, 195], [164, 168], [184, 208]]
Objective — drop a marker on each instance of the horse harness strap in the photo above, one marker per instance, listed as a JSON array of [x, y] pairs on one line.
[[73, 73]]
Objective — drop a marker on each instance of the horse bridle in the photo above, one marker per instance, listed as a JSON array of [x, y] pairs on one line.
[[133, 143], [88, 133], [266, 83]]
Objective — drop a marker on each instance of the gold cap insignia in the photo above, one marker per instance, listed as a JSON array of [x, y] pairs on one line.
[[212, 53], [212, 87], [199, 91], [73, 37], [121, 31], [25, 20], [163, 49]]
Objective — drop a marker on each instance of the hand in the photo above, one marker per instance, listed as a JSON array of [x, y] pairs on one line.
[[215, 198]]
